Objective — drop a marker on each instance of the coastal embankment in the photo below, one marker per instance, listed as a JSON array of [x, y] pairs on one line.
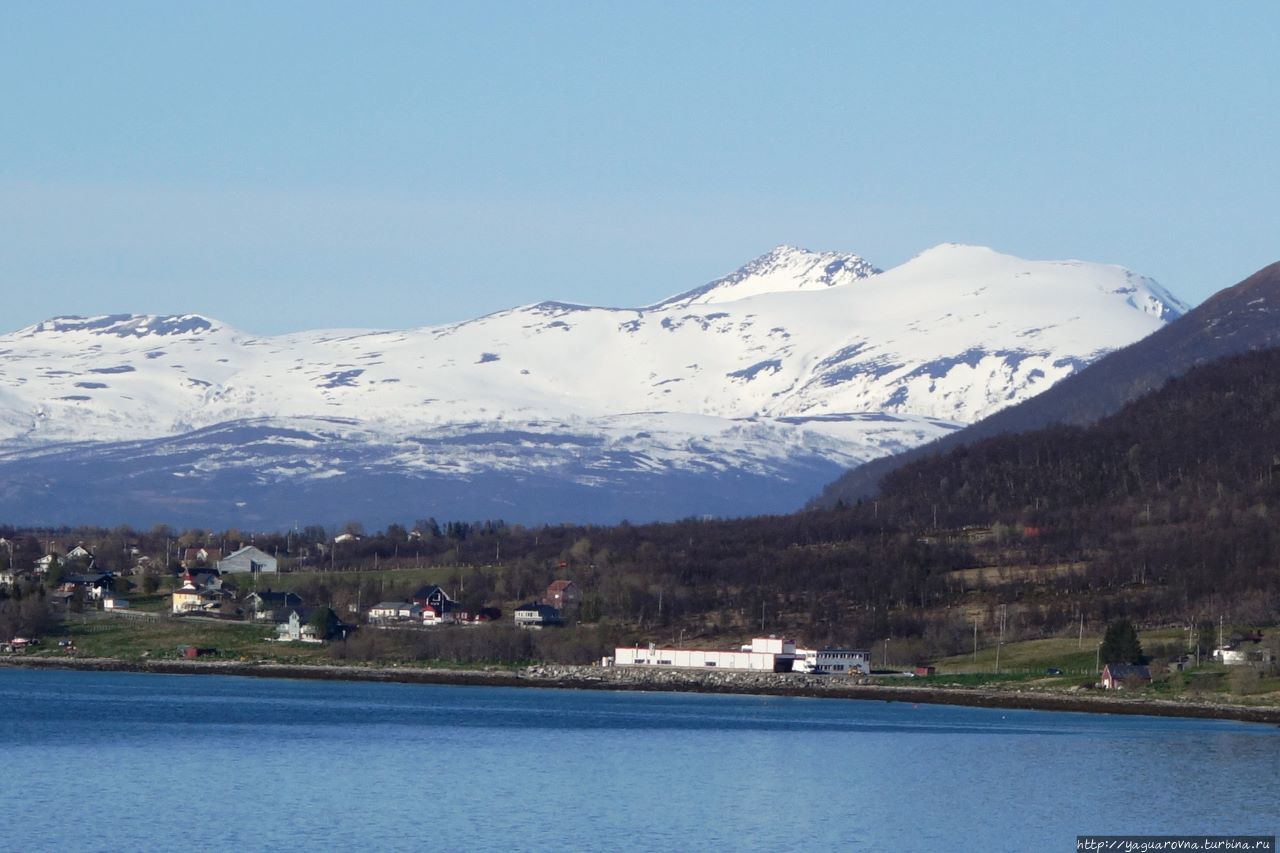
[[690, 681]]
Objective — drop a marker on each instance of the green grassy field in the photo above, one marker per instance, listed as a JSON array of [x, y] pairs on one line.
[[133, 638], [1029, 662]]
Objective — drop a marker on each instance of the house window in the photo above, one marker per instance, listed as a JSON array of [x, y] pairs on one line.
[[711, 663]]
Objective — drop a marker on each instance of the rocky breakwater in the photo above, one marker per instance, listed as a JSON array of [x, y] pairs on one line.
[[696, 680], [845, 687]]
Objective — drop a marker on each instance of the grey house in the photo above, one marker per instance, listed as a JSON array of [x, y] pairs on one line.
[[248, 559]]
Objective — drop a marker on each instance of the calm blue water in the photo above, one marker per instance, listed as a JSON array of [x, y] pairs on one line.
[[112, 761]]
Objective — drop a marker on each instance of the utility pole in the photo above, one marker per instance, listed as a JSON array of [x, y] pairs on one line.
[[1080, 645], [1000, 642], [975, 640]]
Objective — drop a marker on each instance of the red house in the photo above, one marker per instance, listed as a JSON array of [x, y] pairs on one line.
[[562, 595], [1117, 676]]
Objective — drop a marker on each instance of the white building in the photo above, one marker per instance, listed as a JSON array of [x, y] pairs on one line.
[[536, 615], [764, 654], [833, 661], [394, 611], [296, 628]]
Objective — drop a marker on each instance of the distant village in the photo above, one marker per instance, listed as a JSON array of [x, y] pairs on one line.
[[209, 589]]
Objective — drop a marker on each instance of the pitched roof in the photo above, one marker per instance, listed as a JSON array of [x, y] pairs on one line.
[[559, 586], [1121, 671], [88, 578], [247, 549]]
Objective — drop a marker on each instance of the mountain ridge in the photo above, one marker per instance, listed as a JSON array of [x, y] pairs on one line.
[[793, 367]]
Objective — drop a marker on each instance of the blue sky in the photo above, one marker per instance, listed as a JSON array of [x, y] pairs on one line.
[[283, 166]]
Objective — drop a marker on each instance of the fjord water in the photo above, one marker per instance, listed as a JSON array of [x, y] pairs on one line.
[[121, 761]]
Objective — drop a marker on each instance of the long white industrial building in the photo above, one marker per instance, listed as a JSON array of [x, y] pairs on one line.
[[764, 654]]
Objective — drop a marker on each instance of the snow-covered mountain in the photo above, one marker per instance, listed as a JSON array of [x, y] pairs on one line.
[[741, 396]]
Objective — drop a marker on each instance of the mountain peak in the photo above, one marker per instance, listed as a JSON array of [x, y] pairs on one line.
[[783, 269]]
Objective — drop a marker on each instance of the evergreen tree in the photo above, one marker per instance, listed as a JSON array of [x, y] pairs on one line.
[[324, 621], [1120, 644]]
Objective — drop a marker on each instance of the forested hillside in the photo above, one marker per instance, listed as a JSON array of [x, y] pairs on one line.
[[1238, 319], [1181, 486]]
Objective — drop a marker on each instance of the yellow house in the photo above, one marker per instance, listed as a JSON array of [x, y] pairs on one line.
[[188, 598]]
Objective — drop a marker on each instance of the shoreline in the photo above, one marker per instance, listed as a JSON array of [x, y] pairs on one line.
[[679, 681]]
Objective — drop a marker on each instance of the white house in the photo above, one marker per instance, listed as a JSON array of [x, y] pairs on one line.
[[536, 615], [1243, 653], [297, 626], [394, 611], [296, 629], [248, 559]]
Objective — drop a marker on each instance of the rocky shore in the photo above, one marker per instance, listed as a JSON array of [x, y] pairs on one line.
[[693, 681]]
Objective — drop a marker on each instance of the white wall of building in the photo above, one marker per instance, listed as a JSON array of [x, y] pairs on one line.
[[833, 661], [744, 660]]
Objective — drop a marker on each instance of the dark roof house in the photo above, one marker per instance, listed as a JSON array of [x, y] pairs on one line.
[[432, 596], [1116, 676]]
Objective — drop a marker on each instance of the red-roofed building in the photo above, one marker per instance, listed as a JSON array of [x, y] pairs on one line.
[[563, 595]]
